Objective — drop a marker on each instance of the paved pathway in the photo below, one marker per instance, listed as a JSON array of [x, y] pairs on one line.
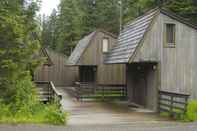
[[94, 116], [100, 113]]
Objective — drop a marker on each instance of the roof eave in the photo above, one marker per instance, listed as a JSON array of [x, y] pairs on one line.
[[178, 18]]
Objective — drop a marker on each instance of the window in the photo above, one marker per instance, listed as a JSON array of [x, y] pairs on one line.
[[170, 35], [105, 45]]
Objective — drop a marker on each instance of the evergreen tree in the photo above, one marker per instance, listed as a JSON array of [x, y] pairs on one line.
[[18, 43], [77, 18]]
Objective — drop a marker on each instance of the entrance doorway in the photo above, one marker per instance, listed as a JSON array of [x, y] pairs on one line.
[[140, 88], [87, 73], [142, 84]]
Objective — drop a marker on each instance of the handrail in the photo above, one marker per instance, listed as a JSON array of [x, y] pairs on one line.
[[170, 102], [57, 93], [92, 90], [174, 93], [52, 93]]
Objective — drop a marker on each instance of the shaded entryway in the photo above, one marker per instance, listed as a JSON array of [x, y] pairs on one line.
[[142, 84], [87, 73], [105, 113]]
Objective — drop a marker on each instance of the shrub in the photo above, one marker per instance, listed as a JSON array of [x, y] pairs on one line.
[[24, 107], [175, 114], [54, 115], [191, 113], [40, 113]]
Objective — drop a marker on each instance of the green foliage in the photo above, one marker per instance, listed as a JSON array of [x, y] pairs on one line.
[[38, 113], [24, 107], [178, 114], [165, 114], [19, 42], [17, 46], [191, 114], [76, 18], [185, 8]]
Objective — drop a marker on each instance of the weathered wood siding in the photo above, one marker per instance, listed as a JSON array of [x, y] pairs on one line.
[[178, 66], [59, 73], [93, 55], [142, 84]]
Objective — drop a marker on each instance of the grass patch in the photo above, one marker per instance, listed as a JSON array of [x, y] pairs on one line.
[[189, 116], [165, 114], [40, 113]]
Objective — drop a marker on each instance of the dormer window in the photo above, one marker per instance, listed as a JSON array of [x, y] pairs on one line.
[[170, 30], [105, 45]]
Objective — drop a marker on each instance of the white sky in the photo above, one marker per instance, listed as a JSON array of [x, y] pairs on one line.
[[47, 6]]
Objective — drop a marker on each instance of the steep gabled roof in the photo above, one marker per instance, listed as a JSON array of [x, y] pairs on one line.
[[133, 33], [52, 55], [129, 38], [79, 49], [82, 45], [45, 54]]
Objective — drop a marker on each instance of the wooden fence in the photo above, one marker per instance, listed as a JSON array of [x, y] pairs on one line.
[[48, 92], [91, 90], [172, 103]]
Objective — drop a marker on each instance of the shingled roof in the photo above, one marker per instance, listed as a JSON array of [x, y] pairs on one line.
[[79, 49], [129, 38], [43, 53], [133, 33]]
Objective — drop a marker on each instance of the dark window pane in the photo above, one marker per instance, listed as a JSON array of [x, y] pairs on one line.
[[170, 34]]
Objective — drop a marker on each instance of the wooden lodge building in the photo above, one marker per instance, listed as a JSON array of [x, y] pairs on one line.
[[88, 56], [159, 51], [55, 69]]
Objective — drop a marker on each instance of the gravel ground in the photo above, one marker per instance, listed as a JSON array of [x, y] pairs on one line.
[[177, 127]]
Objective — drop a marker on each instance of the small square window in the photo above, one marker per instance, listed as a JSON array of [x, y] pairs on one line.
[[170, 35], [105, 45]]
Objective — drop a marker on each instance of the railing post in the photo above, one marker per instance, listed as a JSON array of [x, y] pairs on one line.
[[172, 101], [159, 99], [103, 92], [186, 101], [49, 92], [171, 104]]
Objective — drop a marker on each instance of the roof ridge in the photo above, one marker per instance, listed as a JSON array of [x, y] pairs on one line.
[[80, 48], [134, 38], [177, 17], [107, 32], [141, 16]]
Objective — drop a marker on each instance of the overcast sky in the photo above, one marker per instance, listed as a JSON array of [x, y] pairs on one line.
[[47, 6]]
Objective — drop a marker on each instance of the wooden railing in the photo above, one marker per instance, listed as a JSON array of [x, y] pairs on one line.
[[84, 89], [91, 90], [48, 92], [172, 103]]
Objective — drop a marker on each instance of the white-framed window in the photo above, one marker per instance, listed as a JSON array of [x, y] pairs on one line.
[[105, 45]]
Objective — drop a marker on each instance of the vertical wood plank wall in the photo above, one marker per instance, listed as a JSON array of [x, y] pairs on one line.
[[178, 66], [111, 74], [59, 73]]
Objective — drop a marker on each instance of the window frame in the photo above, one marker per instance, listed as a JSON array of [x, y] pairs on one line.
[[105, 38], [166, 44]]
